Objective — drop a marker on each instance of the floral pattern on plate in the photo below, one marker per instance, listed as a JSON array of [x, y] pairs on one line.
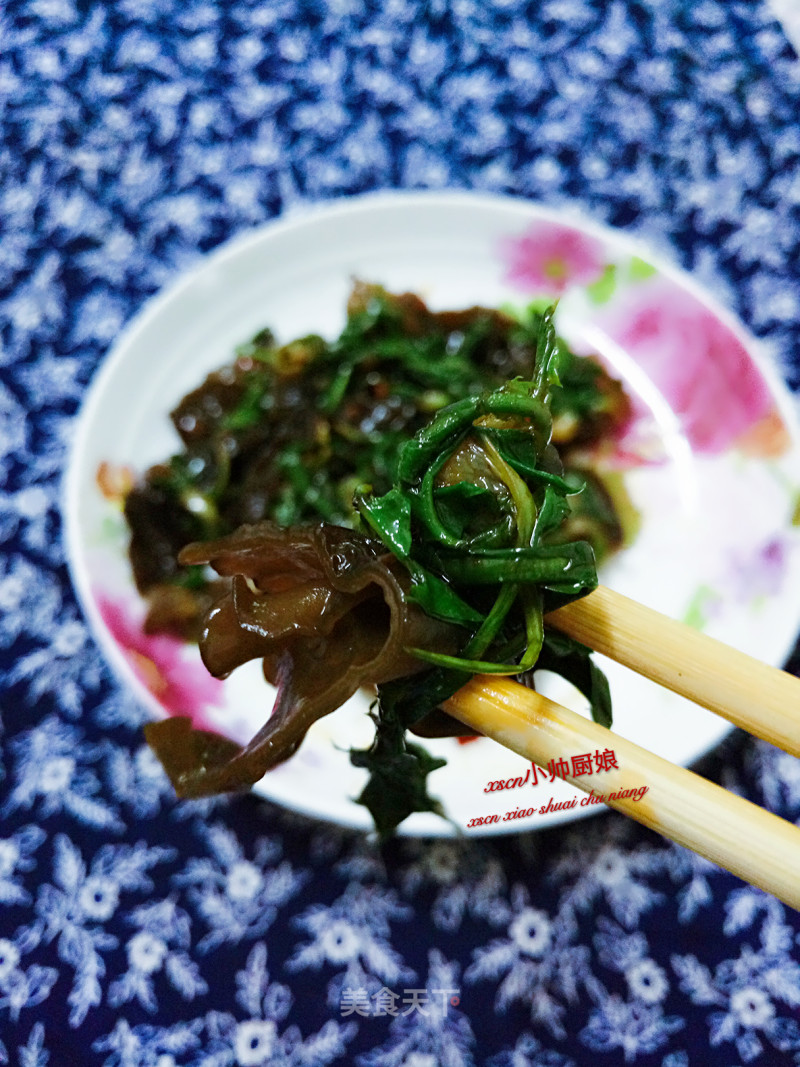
[[698, 363]]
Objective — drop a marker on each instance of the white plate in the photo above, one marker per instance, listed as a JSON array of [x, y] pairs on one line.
[[712, 461]]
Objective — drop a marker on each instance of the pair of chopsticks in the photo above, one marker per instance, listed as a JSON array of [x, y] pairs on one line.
[[734, 833]]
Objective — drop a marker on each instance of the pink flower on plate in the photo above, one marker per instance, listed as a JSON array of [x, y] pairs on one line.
[[748, 577], [697, 362], [181, 686], [761, 573], [549, 257]]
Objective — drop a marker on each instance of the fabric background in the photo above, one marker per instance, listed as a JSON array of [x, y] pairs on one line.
[[140, 932]]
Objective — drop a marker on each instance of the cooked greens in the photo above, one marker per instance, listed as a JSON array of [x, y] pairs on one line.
[[386, 509], [288, 432], [478, 497]]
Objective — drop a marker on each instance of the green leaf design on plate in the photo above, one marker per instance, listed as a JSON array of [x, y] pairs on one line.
[[601, 291], [696, 614], [640, 269]]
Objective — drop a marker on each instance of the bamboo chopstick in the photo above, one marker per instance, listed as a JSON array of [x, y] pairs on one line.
[[746, 840], [763, 700]]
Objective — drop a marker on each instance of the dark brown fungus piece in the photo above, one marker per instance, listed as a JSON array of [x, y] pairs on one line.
[[323, 608]]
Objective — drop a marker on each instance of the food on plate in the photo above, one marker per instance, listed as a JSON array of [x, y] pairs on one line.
[[387, 509], [287, 432]]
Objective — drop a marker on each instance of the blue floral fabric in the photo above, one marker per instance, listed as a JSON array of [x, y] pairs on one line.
[[136, 931]]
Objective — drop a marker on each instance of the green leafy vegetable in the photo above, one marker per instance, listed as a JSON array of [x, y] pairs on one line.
[[388, 508], [477, 520], [289, 432], [398, 772]]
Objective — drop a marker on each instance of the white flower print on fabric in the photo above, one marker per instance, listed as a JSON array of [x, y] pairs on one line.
[[774, 300], [37, 305], [694, 875], [628, 954], [352, 935], [151, 1046], [434, 1033], [599, 866], [31, 511], [779, 778], [121, 708], [66, 668], [257, 1039], [13, 430], [33, 1053], [633, 1027], [538, 963], [676, 1059], [100, 319], [22, 986], [757, 993], [158, 947], [637, 1024], [16, 854], [361, 862], [647, 981], [612, 873], [235, 896], [138, 780], [28, 601], [255, 992], [73, 910], [529, 1052], [55, 433], [51, 772], [468, 881]]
